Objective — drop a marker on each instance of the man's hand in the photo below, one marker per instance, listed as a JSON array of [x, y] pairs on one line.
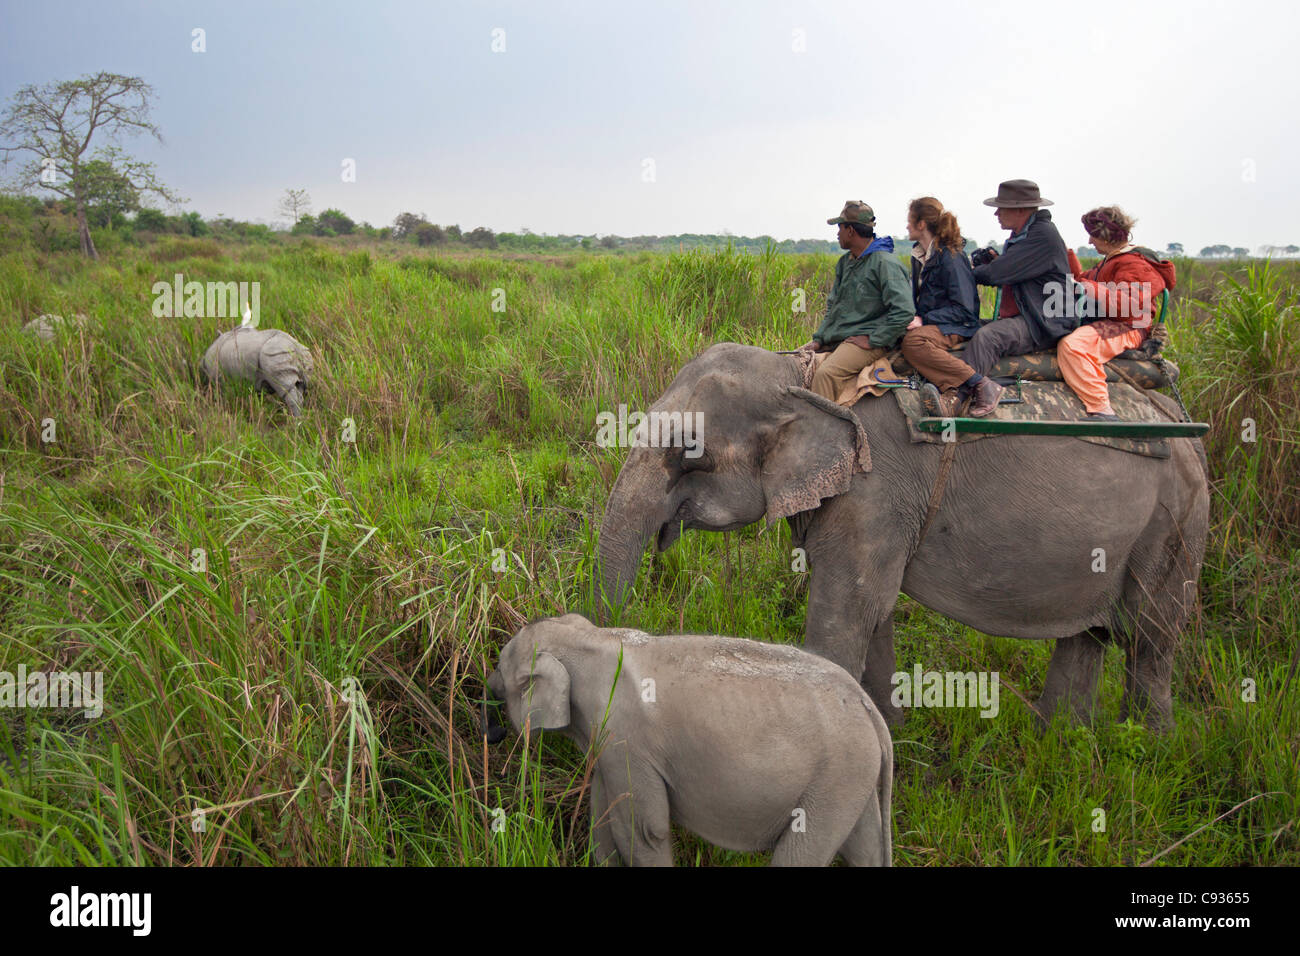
[[915, 323], [982, 257], [809, 347], [1159, 338]]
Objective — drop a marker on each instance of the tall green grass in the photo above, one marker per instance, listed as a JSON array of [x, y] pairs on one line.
[[1241, 355], [311, 696]]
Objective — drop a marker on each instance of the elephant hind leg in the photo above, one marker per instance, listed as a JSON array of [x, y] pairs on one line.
[[865, 845], [813, 838], [1151, 623], [1148, 674], [1073, 676]]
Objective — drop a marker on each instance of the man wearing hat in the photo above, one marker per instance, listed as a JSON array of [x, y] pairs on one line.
[[869, 306], [1033, 262]]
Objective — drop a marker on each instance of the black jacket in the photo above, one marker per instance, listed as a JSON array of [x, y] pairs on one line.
[[945, 293], [1034, 264]]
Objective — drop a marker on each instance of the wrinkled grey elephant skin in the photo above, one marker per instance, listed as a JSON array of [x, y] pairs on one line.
[[273, 361], [751, 746], [1035, 537]]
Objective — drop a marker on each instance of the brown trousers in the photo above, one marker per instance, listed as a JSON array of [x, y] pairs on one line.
[[927, 350], [838, 372]]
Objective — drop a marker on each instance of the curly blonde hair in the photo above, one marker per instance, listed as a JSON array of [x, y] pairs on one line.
[[1108, 223]]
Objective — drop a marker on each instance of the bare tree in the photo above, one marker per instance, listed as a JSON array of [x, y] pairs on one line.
[[55, 124], [295, 204]]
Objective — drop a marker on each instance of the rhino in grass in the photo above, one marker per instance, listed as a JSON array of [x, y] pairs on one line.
[[46, 327], [273, 361]]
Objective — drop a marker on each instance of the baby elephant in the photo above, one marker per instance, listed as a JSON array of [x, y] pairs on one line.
[[752, 746]]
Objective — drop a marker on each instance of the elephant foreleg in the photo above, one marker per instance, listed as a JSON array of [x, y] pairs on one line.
[[635, 816], [604, 851], [1073, 677], [856, 573], [877, 675]]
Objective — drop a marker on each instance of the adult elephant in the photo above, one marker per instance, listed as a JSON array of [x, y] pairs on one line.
[[1010, 550]]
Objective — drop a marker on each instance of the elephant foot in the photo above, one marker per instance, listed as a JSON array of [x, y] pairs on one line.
[[1073, 678], [1148, 673], [1078, 711], [1158, 718]]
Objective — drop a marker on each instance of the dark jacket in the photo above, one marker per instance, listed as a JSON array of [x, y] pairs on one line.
[[1033, 263], [945, 293], [870, 297]]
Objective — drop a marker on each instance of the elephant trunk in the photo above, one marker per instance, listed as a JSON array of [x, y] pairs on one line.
[[494, 698], [637, 508]]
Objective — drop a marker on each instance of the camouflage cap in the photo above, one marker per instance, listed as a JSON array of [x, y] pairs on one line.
[[854, 211]]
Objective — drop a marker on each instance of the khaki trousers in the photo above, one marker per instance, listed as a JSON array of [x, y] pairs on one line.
[[838, 372], [927, 350]]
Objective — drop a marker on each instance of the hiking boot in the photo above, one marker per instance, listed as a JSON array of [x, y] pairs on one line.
[[987, 395], [937, 405], [1103, 417]]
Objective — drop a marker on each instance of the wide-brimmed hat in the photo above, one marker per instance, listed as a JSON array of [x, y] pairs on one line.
[[1017, 194], [855, 210]]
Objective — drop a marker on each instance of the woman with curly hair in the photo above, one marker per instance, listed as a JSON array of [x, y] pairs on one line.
[[1121, 292], [947, 304]]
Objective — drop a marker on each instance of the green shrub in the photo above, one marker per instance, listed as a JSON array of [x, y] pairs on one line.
[[150, 220]]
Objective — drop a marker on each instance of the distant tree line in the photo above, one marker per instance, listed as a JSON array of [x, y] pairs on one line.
[[417, 229], [109, 201]]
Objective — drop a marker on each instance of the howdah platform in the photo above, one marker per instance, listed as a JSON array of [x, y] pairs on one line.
[[1076, 429]]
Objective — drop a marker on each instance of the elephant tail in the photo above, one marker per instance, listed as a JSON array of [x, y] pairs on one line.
[[885, 782]]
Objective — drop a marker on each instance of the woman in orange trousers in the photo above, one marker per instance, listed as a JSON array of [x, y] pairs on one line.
[[1121, 293]]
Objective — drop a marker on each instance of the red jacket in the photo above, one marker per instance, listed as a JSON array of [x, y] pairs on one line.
[[1111, 285]]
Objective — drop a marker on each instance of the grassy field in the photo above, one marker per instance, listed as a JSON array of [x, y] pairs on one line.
[[307, 697]]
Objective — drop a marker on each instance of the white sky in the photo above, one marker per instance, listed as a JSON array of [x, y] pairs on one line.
[[1183, 113]]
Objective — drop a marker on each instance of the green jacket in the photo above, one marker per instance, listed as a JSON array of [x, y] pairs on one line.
[[871, 296]]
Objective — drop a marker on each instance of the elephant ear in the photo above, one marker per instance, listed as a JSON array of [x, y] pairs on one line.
[[817, 448], [545, 694]]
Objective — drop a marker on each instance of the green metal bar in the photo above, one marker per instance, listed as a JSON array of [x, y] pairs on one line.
[[1100, 429]]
